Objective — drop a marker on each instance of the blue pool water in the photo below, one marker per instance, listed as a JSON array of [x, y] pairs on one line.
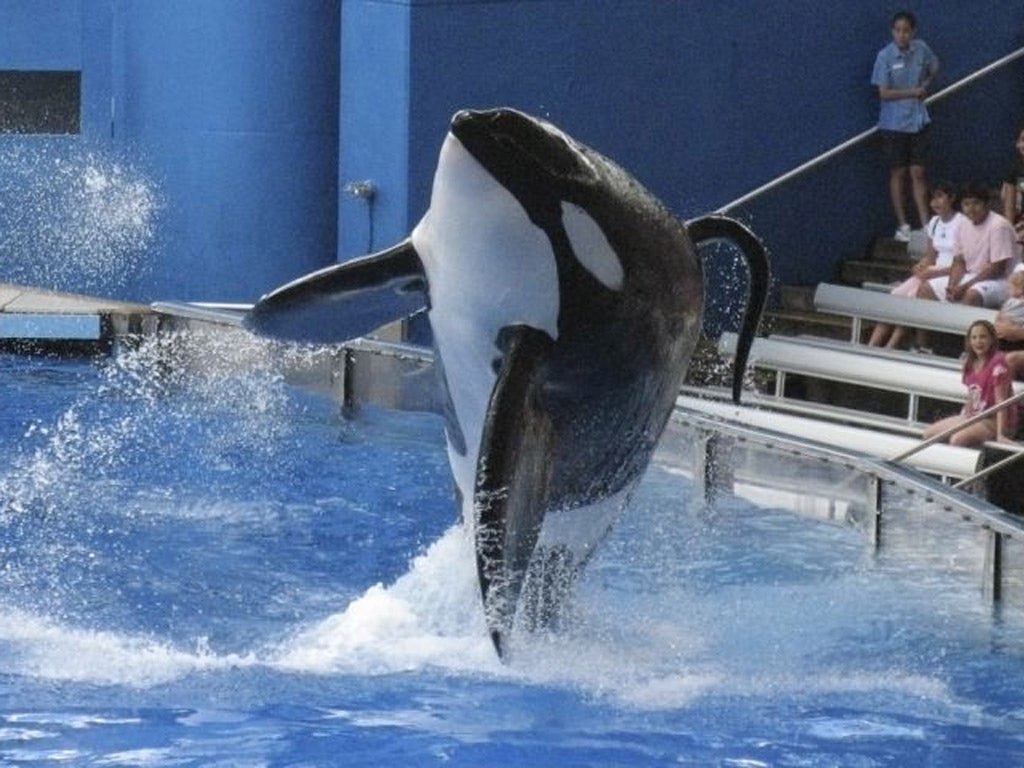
[[210, 567]]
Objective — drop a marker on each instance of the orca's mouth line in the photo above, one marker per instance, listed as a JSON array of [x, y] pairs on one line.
[[510, 140]]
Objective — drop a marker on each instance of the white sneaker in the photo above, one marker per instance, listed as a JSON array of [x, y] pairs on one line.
[[902, 233]]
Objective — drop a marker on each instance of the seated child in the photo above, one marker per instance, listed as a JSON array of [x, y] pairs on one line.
[[1009, 324], [1013, 308], [936, 262], [987, 377]]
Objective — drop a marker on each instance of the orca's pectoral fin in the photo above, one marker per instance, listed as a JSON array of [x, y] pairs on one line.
[[345, 300], [513, 477], [718, 227]]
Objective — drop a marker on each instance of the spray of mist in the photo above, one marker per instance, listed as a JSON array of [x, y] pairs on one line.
[[73, 219]]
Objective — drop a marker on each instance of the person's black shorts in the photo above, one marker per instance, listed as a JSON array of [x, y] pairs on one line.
[[905, 149]]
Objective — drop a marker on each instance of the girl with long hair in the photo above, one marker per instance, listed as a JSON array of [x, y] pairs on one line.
[[989, 380]]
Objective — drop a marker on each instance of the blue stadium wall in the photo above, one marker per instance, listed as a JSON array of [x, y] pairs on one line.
[[206, 162], [258, 125]]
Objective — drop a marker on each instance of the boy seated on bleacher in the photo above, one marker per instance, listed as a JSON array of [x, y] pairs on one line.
[[984, 253]]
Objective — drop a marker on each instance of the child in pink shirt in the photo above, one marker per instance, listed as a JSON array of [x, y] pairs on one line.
[[988, 380], [985, 252]]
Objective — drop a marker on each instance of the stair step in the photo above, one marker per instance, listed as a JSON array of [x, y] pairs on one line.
[[896, 251], [793, 322], [886, 263], [888, 249], [856, 272], [799, 298]]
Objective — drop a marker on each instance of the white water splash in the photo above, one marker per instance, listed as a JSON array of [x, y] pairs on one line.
[[430, 617], [47, 650], [169, 384], [73, 220]]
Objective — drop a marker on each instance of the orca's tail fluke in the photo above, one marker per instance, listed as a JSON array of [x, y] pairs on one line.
[[718, 227]]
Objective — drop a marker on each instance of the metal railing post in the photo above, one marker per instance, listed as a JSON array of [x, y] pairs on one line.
[[992, 468]]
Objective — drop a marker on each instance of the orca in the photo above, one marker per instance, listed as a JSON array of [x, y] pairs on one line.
[[565, 302]]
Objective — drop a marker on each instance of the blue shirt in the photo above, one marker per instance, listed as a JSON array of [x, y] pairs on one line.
[[899, 70]]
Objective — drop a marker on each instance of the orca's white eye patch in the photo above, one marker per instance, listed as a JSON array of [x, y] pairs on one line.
[[591, 247]]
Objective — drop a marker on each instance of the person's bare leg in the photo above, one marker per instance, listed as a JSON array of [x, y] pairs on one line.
[[919, 185], [897, 337], [972, 297], [879, 334], [897, 193], [926, 292], [976, 434], [941, 426], [1015, 360]]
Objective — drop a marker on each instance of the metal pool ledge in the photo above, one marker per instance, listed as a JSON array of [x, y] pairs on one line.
[[36, 325], [35, 317], [217, 313], [855, 489], [822, 480]]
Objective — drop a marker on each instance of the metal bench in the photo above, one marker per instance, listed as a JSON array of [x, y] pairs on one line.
[[942, 460], [884, 353], [859, 304], [815, 410], [784, 356], [915, 376]]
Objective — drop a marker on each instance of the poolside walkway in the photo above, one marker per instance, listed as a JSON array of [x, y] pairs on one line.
[[38, 315]]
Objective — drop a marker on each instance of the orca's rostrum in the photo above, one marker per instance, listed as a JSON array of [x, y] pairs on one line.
[[565, 302]]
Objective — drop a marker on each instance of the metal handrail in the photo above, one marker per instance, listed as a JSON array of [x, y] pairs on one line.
[[941, 436], [1001, 464], [829, 154]]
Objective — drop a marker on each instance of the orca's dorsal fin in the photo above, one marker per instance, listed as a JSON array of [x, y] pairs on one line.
[[718, 227]]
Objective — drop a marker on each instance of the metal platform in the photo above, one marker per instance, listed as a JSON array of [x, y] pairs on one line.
[[37, 318]]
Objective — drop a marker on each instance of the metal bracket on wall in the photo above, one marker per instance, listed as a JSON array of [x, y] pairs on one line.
[[364, 189]]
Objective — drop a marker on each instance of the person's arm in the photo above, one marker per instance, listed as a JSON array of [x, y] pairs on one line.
[[1003, 392], [925, 266], [934, 272], [1008, 195], [991, 271], [956, 274], [931, 70], [1007, 330], [893, 94]]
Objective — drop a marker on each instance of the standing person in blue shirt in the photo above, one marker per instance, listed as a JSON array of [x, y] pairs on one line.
[[903, 71]]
